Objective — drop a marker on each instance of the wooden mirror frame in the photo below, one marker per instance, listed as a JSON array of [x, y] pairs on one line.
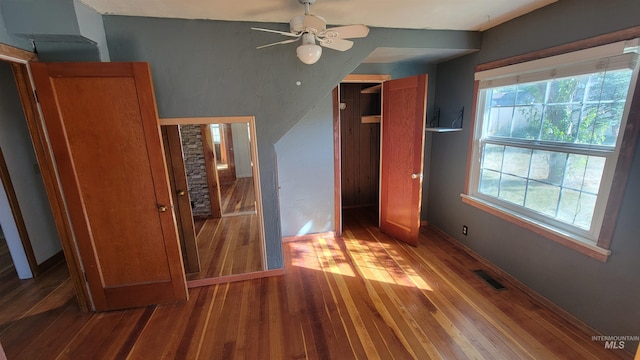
[[258, 194]]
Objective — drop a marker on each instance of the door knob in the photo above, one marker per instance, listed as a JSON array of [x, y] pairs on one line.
[[162, 208], [180, 192], [415, 176]]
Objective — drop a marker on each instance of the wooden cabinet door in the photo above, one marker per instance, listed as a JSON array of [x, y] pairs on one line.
[[402, 148], [103, 129]]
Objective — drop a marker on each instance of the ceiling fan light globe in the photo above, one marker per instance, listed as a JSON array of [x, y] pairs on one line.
[[309, 53]]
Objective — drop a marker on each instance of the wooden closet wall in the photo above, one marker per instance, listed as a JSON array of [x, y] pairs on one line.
[[360, 146]]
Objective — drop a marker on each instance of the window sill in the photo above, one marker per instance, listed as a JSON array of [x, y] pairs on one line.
[[590, 250]]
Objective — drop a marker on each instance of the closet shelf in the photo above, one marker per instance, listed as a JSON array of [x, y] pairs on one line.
[[372, 89], [371, 119]]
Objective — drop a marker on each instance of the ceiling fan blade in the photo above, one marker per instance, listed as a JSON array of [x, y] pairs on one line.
[[278, 43], [307, 23], [277, 32], [346, 32], [336, 44], [315, 22]]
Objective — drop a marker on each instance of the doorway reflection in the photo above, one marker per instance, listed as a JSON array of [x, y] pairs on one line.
[[219, 156], [232, 144]]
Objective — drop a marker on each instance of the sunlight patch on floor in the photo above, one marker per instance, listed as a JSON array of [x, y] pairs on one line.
[[374, 263], [379, 263], [316, 255]]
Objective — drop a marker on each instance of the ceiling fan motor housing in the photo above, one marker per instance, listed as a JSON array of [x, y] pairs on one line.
[[305, 2]]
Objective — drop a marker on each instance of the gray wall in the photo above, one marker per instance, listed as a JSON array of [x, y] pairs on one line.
[[12, 238], [61, 30], [19, 155], [10, 39], [37, 17], [91, 27], [305, 173], [604, 295], [211, 68]]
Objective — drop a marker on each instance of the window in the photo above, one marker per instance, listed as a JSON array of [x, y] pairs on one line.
[[547, 137]]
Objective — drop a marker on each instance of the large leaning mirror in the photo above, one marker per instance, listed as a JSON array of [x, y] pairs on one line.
[[213, 170]]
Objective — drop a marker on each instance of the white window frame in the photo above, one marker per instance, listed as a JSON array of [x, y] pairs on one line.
[[546, 68]]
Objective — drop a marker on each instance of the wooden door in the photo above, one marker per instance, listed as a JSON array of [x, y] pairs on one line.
[[103, 129], [180, 196], [402, 148]]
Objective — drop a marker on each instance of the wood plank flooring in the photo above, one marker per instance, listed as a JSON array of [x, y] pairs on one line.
[[228, 246], [238, 196], [363, 296], [6, 262]]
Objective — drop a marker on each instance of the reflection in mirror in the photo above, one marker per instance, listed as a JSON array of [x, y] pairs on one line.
[[221, 172], [233, 163]]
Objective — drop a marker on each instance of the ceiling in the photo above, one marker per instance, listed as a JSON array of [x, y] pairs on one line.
[[411, 14]]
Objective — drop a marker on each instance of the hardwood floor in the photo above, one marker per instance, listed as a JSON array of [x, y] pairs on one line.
[[364, 296], [6, 263], [228, 246], [198, 224], [238, 197], [33, 298]]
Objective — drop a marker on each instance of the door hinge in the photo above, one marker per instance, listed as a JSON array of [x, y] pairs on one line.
[[35, 95]]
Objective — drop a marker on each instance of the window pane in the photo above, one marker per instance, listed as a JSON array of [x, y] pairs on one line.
[[593, 175], [492, 157], [512, 189], [613, 85], [500, 121], [516, 161], [504, 96], [542, 197], [584, 173], [576, 208], [548, 166], [567, 90], [526, 122], [539, 166], [531, 93], [560, 123], [490, 182], [600, 123]]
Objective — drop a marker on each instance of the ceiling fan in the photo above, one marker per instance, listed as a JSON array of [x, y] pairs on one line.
[[311, 28]]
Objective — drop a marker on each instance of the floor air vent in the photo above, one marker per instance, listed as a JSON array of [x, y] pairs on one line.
[[491, 281]]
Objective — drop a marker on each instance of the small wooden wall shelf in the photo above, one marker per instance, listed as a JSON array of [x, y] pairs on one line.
[[372, 89], [371, 119]]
